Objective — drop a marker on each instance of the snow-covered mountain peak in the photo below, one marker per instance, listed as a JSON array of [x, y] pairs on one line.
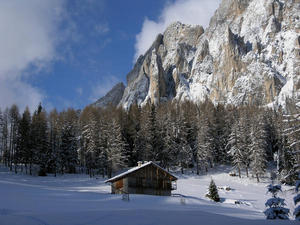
[[250, 53]]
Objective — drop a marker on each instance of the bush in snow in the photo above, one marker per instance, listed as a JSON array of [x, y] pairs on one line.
[[296, 201], [276, 205], [213, 192]]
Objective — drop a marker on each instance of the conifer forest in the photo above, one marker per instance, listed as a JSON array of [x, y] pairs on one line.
[[181, 136]]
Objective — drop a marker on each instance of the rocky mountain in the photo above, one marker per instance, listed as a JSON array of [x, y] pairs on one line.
[[113, 97], [250, 53]]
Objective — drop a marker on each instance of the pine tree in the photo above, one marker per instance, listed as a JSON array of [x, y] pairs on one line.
[[168, 154], [90, 137], [114, 148], [54, 140], [25, 153], [245, 137], [258, 149], [213, 191], [297, 201], [152, 133], [185, 151], [5, 138], [40, 143], [69, 144], [1, 136], [235, 150], [204, 143], [291, 134], [275, 205], [14, 117]]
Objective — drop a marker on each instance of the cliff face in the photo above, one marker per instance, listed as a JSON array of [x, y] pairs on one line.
[[249, 53], [113, 97]]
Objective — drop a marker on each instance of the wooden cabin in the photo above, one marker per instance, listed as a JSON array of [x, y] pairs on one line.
[[148, 178]]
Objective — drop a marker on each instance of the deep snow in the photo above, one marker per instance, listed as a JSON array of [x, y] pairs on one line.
[[78, 199]]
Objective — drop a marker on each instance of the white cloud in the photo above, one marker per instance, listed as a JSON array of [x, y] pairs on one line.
[[28, 40], [101, 89], [186, 11], [17, 92]]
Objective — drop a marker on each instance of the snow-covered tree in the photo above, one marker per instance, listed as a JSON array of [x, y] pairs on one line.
[[204, 143], [1, 136], [291, 134], [14, 118], [275, 205], [68, 149], [258, 149], [114, 148], [39, 140], [213, 191], [90, 137], [297, 201], [4, 139], [235, 148], [24, 146], [152, 133]]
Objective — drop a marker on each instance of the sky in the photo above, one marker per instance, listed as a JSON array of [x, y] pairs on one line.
[[69, 53]]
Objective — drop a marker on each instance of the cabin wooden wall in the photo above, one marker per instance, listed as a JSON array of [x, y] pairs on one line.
[[147, 180]]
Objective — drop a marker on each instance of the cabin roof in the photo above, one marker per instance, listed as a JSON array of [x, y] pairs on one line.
[[120, 176]]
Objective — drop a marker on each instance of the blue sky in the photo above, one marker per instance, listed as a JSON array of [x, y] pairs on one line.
[[68, 53]]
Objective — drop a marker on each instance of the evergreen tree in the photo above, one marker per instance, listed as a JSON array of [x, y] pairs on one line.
[[114, 148], [90, 137], [291, 134], [152, 132], [68, 145], [39, 138], [213, 191], [276, 205], [235, 150], [297, 201], [1, 136], [54, 139], [14, 118], [204, 143], [258, 149], [5, 136], [25, 153], [184, 148]]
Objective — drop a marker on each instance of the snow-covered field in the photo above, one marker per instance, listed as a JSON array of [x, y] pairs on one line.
[[78, 199]]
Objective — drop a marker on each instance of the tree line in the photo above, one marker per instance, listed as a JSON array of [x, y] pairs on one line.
[[177, 135]]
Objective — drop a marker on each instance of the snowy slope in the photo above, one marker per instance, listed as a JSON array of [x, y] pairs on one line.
[[113, 97], [77, 199]]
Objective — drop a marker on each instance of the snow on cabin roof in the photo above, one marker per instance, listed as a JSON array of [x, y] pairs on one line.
[[135, 169]]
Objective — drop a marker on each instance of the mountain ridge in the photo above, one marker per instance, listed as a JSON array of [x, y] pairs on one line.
[[250, 53]]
